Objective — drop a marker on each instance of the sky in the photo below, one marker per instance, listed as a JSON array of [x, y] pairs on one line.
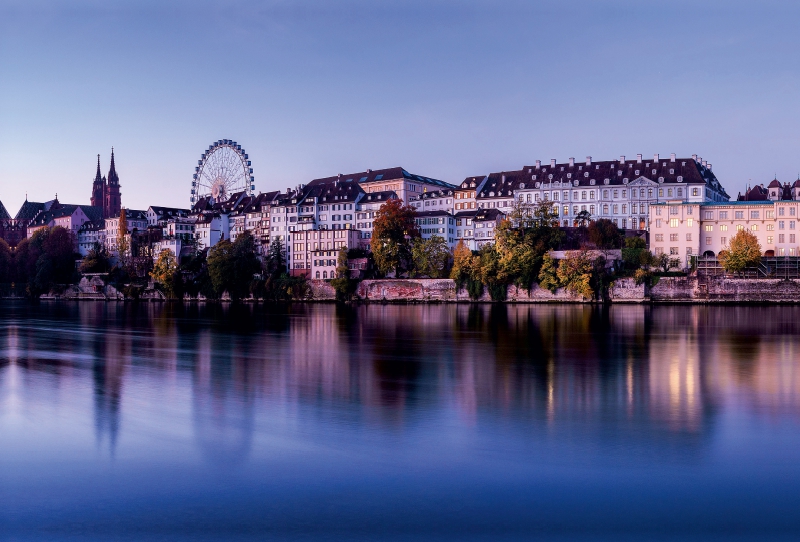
[[444, 89]]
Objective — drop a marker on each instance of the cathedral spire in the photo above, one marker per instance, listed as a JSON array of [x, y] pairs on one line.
[[113, 178], [98, 177]]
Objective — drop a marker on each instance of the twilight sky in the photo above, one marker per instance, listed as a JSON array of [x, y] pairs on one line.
[[445, 89]]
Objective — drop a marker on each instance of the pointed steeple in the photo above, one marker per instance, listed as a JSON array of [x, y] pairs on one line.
[[98, 177], [113, 178]]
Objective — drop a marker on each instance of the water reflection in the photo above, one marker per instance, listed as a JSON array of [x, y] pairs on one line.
[[636, 372]]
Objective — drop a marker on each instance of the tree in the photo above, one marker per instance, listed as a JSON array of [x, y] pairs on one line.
[[430, 257], [96, 260], [345, 286], [605, 234], [548, 276], [392, 232], [165, 272], [575, 274], [6, 262], [583, 218], [462, 264], [744, 251], [665, 262], [276, 258], [232, 266]]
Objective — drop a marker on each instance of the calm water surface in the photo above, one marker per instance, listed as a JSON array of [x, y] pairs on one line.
[[153, 422]]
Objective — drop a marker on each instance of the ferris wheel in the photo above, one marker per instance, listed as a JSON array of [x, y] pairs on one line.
[[223, 169]]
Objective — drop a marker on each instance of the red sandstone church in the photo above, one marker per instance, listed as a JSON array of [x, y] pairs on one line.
[[106, 202]]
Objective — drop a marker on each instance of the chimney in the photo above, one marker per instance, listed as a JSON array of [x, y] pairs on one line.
[[588, 160], [369, 171], [708, 166], [622, 159], [638, 158], [672, 157], [655, 157], [703, 162], [694, 157], [503, 178], [552, 162], [571, 161], [538, 164]]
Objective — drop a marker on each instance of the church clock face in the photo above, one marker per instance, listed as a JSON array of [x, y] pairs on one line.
[[224, 169]]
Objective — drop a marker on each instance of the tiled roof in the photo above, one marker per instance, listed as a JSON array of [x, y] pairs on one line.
[[439, 212], [383, 195], [3, 213], [383, 175], [591, 173], [29, 210]]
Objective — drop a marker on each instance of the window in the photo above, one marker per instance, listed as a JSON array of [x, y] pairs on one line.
[[723, 215], [791, 211], [781, 224], [754, 214], [673, 222], [688, 251], [769, 239], [669, 192], [659, 237], [770, 227], [583, 194], [616, 209], [739, 227], [709, 227], [673, 237], [673, 251], [605, 194], [781, 211], [624, 208], [659, 251], [689, 222], [791, 224], [791, 238], [658, 222], [723, 240], [566, 210], [660, 192], [680, 192], [605, 209], [781, 238], [658, 211], [754, 227], [649, 192], [739, 215], [688, 236], [708, 240], [769, 214]]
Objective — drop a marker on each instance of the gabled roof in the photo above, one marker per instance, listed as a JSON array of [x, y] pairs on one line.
[[373, 197], [3, 213], [29, 210]]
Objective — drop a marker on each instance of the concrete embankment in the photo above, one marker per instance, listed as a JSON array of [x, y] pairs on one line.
[[666, 290]]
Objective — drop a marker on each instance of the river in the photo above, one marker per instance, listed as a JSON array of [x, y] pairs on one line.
[[398, 422]]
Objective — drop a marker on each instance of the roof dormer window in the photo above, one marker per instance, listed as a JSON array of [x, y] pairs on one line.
[[672, 172]]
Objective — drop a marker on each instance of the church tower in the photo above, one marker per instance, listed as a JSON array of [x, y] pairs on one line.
[[98, 188], [112, 197]]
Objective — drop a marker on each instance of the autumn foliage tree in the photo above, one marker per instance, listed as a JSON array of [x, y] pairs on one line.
[[392, 233], [165, 273], [743, 252]]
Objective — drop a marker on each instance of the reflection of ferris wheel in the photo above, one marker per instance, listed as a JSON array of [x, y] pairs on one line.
[[223, 169]]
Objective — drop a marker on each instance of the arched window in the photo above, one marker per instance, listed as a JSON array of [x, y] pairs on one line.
[[324, 274], [317, 274]]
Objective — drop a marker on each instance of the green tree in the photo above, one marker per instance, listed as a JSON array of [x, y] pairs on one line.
[[276, 258], [344, 286], [6, 262], [430, 257], [583, 218], [605, 234], [232, 266], [575, 274], [548, 275], [744, 251], [489, 272], [392, 232], [96, 260], [165, 273]]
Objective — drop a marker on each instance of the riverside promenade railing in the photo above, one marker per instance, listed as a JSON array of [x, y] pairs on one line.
[[771, 267]]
